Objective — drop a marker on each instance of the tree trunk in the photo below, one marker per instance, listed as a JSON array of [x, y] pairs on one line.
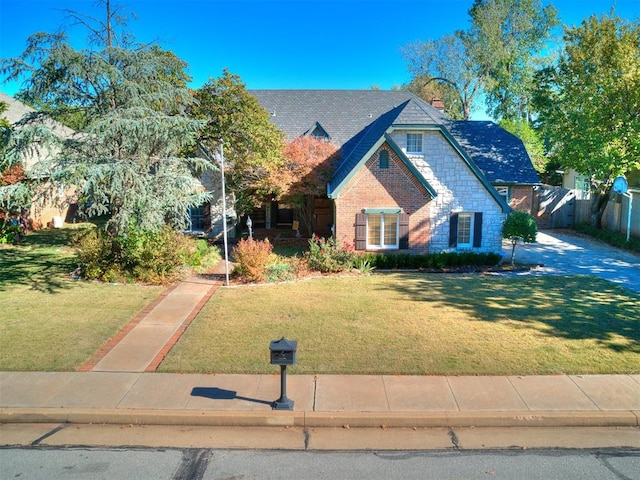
[[305, 212], [598, 205]]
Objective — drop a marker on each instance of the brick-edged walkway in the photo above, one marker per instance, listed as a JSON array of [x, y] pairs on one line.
[[145, 341]]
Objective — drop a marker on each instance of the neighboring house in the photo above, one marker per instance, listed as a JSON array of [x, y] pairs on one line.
[[616, 216], [47, 209], [580, 184], [409, 178]]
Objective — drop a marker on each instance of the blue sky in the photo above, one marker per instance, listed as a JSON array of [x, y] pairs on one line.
[[325, 44]]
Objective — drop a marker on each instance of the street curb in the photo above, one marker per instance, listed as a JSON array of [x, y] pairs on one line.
[[303, 419]]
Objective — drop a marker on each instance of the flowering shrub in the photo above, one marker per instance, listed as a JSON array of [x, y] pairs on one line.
[[327, 256]]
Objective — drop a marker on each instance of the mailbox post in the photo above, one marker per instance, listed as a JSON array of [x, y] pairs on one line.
[[283, 353]]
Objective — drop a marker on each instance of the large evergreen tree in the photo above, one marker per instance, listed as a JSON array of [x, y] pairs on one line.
[[129, 105], [589, 104]]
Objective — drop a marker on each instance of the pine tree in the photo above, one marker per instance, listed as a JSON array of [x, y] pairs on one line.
[[128, 103]]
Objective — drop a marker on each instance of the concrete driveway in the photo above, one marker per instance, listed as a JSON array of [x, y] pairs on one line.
[[561, 253]]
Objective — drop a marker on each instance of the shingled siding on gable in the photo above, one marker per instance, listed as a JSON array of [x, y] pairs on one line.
[[395, 186], [459, 190]]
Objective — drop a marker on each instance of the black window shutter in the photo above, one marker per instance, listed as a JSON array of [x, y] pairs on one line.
[[361, 231], [477, 230], [404, 231], [453, 231]]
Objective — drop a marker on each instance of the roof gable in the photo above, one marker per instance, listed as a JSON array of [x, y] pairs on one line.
[[317, 131], [19, 112], [343, 114], [355, 119]]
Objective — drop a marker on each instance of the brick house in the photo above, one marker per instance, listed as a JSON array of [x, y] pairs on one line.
[[409, 179]]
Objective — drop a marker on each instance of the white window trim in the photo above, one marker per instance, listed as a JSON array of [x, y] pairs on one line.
[[471, 217], [383, 246], [583, 186], [417, 152], [505, 192]]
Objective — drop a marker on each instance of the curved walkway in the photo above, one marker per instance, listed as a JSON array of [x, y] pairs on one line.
[[560, 253]]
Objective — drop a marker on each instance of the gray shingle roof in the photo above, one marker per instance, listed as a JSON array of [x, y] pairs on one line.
[[17, 111], [353, 151], [342, 113], [356, 119], [500, 155]]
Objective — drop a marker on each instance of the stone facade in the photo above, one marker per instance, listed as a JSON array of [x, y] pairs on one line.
[[458, 189], [212, 181]]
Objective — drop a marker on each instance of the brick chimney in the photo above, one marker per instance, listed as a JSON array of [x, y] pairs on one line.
[[437, 104]]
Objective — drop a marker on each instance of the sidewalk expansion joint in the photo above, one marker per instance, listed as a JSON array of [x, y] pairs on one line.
[[49, 434]]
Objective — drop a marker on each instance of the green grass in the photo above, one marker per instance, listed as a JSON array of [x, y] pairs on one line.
[[410, 323], [49, 321]]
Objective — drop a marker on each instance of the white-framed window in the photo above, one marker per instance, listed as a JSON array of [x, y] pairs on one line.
[[382, 231], [414, 143], [583, 186], [504, 193], [465, 230]]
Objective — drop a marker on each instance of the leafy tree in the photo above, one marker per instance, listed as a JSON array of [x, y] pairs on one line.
[[531, 139], [430, 89], [252, 144], [589, 104], [503, 40], [13, 194], [129, 104], [519, 226], [307, 168], [494, 57], [447, 61]]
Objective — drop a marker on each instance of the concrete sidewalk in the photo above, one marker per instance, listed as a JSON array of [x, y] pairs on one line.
[[320, 401], [113, 388]]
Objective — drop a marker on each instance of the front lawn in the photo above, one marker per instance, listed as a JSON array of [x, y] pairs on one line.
[[48, 320], [415, 324]]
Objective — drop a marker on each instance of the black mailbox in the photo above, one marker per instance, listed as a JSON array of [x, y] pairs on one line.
[[283, 352]]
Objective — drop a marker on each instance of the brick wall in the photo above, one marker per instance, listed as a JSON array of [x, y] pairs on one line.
[[521, 198], [394, 187]]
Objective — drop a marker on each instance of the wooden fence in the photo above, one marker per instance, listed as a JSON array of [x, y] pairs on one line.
[[558, 207]]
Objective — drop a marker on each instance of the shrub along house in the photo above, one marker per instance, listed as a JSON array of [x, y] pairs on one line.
[[409, 178]]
